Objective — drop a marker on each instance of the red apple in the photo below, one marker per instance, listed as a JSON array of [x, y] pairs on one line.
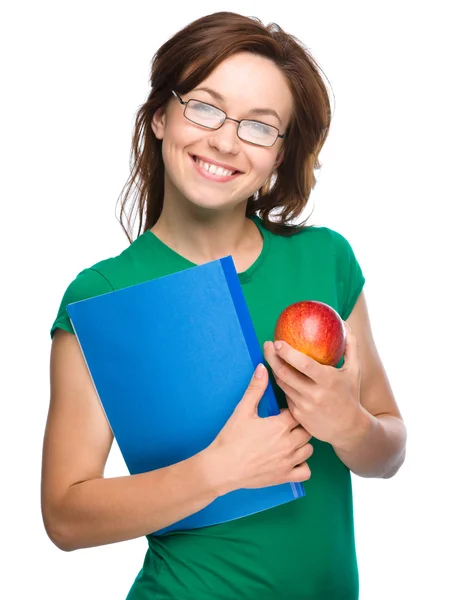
[[313, 328]]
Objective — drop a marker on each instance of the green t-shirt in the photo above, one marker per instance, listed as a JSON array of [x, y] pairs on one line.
[[302, 550]]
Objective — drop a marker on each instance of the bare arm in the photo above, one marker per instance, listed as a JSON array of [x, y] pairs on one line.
[[80, 508], [379, 444], [351, 408]]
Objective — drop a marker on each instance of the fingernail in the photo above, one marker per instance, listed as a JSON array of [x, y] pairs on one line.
[[278, 345], [265, 345], [259, 371]]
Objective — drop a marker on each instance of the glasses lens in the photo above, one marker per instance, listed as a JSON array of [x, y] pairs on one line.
[[204, 114], [258, 133]]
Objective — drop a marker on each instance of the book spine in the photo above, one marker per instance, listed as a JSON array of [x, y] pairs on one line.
[[246, 323], [249, 333]]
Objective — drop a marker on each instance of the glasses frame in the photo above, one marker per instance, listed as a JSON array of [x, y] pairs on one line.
[[227, 118]]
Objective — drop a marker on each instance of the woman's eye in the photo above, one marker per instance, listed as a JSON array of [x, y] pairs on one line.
[[259, 127], [205, 109]]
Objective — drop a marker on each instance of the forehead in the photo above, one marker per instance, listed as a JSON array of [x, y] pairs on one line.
[[251, 81]]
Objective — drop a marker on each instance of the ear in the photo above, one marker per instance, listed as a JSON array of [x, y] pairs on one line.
[[159, 123]]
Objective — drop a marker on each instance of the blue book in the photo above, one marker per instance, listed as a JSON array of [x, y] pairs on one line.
[[170, 359]]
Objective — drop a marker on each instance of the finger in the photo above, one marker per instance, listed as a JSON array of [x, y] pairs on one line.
[[301, 362], [351, 352], [303, 453], [300, 472], [287, 417], [284, 371], [294, 410], [293, 395], [255, 391], [301, 436]]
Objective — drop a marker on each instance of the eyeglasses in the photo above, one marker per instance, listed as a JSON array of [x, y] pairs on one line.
[[207, 115]]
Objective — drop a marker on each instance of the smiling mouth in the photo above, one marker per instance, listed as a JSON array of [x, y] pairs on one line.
[[214, 169]]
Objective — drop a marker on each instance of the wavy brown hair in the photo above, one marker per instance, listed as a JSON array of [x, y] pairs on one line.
[[186, 60]]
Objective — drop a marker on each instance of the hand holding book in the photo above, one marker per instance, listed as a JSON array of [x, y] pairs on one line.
[[255, 452]]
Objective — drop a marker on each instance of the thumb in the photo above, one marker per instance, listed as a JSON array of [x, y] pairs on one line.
[[351, 352], [255, 390]]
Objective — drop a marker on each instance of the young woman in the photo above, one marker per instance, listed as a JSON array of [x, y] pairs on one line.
[[225, 149]]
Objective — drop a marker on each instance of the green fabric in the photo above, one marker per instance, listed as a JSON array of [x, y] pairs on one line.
[[305, 549]]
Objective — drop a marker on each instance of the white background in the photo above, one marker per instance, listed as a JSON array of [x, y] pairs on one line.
[[73, 76]]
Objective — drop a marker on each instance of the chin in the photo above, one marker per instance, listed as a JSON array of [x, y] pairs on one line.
[[208, 200], [209, 204]]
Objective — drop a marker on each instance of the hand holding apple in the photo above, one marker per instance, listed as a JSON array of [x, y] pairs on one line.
[[325, 400]]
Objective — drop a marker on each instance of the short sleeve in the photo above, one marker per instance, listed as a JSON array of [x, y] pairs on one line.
[[350, 278], [87, 284]]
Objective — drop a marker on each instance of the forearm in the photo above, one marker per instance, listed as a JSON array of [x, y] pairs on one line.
[[102, 511], [377, 448]]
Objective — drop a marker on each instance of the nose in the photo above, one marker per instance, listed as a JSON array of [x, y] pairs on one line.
[[225, 139]]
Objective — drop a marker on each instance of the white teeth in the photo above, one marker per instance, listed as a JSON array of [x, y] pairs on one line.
[[222, 171], [214, 169]]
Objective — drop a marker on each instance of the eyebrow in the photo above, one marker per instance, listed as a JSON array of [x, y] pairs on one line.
[[253, 111]]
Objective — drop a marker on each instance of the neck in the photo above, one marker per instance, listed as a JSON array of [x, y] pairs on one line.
[[205, 236]]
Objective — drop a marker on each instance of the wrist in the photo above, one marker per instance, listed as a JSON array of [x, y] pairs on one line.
[[214, 471], [361, 426]]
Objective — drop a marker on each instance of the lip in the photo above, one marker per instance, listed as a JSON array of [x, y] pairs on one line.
[[210, 176]]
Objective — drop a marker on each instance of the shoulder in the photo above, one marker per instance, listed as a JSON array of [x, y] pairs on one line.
[[292, 232], [101, 278], [311, 235], [110, 273], [320, 236], [350, 278], [118, 269], [325, 253], [89, 282], [334, 250]]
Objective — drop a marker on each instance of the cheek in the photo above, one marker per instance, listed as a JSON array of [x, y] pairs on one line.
[[174, 141], [179, 138], [263, 163]]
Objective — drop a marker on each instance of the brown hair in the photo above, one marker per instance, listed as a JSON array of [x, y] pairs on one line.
[[186, 60]]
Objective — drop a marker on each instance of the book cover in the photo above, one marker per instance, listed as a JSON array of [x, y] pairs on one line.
[[170, 359]]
